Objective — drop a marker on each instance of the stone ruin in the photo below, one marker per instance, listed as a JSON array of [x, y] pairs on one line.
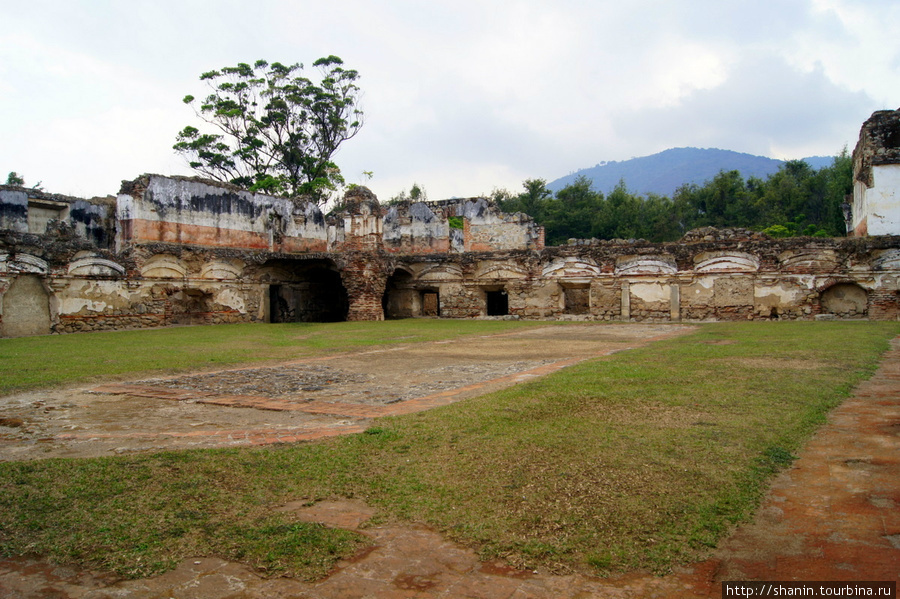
[[876, 176], [179, 250]]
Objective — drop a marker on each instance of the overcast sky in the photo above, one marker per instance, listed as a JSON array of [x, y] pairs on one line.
[[460, 97]]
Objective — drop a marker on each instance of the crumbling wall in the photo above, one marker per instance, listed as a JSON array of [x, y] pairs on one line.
[[25, 210], [179, 210], [486, 229], [191, 252], [712, 276], [13, 209], [414, 228], [876, 168]]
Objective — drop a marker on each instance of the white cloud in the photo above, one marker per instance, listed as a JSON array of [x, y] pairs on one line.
[[765, 107], [459, 96]]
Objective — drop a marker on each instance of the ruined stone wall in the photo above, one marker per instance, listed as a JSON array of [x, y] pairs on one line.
[[416, 228], [190, 252], [180, 210], [25, 210], [876, 167], [739, 279], [88, 289]]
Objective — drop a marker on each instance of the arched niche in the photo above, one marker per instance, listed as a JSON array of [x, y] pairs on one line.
[[440, 272], [164, 266], [500, 270], [95, 267], [306, 291], [25, 308], [571, 267], [646, 265], [222, 269], [847, 300], [401, 299], [725, 262]]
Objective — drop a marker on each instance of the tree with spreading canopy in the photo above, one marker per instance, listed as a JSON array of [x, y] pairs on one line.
[[278, 130]]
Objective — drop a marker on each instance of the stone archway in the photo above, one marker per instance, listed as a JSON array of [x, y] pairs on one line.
[[847, 300], [400, 299], [26, 308], [306, 291]]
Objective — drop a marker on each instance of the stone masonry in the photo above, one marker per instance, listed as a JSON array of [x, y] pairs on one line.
[[178, 250]]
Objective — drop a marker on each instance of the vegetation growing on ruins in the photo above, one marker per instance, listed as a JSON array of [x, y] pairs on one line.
[[796, 200], [641, 460], [277, 129]]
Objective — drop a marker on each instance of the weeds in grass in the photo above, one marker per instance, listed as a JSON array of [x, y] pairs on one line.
[[642, 460]]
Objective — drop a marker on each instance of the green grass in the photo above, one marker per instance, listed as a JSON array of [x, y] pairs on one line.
[[642, 460], [36, 362]]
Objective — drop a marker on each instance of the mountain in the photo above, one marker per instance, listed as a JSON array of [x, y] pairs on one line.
[[668, 170]]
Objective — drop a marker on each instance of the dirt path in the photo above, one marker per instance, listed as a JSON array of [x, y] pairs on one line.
[[833, 516]]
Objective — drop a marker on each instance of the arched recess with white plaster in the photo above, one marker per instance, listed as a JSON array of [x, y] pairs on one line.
[[490, 271], [809, 260], [571, 267], [440, 273], [222, 270], [573, 276], [94, 266], [164, 266], [645, 265], [713, 262]]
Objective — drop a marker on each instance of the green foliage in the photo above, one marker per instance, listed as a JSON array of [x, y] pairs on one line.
[[456, 222], [796, 200], [277, 130], [13, 178], [416, 193], [777, 231]]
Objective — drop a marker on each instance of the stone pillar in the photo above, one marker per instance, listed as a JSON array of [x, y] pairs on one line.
[[626, 301], [675, 301], [364, 277]]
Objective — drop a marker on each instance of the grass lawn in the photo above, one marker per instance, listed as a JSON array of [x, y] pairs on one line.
[[642, 460], [37, 362]]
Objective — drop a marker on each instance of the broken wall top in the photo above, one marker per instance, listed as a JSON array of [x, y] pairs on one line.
[[879, 144]]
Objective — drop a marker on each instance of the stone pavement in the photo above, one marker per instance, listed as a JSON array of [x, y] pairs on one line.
[[834, 515], [297, 400]]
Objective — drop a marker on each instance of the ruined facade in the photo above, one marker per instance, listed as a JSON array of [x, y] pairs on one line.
[[176, 250], [876, 176]]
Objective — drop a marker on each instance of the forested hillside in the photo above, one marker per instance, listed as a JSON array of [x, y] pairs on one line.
[[664, 172], [795, 200]]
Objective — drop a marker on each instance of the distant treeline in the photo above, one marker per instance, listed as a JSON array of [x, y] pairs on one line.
[[796, 200]]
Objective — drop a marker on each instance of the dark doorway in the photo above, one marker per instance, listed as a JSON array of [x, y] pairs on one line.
[[497, 303], [306, 291], [400, 300], [578, 300]]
